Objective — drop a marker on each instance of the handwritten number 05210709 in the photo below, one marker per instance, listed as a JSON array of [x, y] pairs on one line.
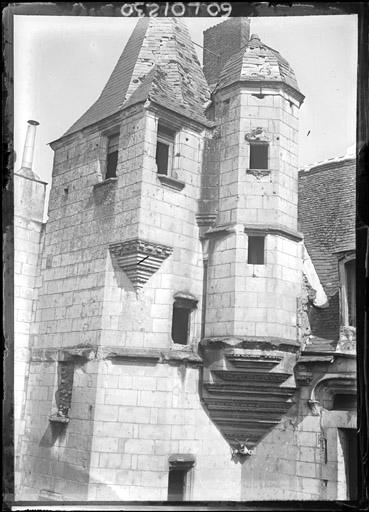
[[176, 9]]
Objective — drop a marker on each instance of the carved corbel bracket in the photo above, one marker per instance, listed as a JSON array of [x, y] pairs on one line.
[[258, 173], [140, 259], [257, 135]]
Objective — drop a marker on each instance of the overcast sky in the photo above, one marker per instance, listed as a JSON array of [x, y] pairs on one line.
[[61, 64]]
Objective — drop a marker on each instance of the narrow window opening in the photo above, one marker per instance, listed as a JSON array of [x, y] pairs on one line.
[[259, 155], [180, 477], [350, 271], [181, 320], [180, 325], [255, 255], [112, 157], [347, 461], [164, 150], [176, 484]]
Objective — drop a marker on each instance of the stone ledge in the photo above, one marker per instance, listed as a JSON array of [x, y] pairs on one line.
[[109, 181], [171, 182], [129, 353], [254, 342], [116, 352], [261, 229], [62, 354], [259, 173]]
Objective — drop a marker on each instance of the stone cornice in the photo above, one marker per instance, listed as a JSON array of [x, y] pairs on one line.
[[89, 353], [273, 84], [248, 342], [280, 230]]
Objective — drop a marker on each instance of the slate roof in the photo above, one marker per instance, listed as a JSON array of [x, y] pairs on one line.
[[257, 62], [326, 213], [159, 62]]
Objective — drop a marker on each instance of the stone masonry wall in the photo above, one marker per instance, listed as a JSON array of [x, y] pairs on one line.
[[143, 414], [28, 240], [301, 458], [271, 199]]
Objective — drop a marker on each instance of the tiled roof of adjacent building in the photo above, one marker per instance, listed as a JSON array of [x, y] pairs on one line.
[[159, 63], [257, 62], [326, 212]]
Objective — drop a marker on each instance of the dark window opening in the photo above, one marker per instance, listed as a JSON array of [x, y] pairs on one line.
[[162, 157], [258, 155], [255, 253], [176, 484], [181, 319], [344, 402], [348, 438], [112, 157], [180, 324], [164, 150], [351, 291]]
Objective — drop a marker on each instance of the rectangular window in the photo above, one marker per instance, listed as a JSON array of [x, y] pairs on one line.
[[347, 463], [112, 156], [259, 155], [255, 255], [180, 324], [164, 150], [176, 484], [350, 271], [180, 476], [181, 319]]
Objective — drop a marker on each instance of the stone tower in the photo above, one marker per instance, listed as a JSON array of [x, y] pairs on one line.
[[253, 251], [113, 409]]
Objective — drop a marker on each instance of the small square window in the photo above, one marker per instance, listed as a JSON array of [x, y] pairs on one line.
[[112, 156], [259, 155], [164, 150], [255, 255]]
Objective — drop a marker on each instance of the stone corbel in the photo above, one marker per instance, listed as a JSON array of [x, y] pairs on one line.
[[139, 259], [258, 173], [257, 135]]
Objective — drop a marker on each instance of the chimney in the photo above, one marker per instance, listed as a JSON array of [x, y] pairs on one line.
[[222, 41], [29, 145]]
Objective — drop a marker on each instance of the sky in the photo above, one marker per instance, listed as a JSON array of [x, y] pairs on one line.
[[61, 64]]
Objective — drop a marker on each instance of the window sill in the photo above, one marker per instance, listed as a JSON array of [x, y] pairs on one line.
[[55, 418], [259, 173], [171, 182], [108, 181]]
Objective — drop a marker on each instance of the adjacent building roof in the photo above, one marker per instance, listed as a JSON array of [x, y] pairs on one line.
[[326, 212], [159, 63], [257, 62]]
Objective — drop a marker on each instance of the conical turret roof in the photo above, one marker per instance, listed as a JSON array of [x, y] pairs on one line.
[[257, 62], [159, 63]]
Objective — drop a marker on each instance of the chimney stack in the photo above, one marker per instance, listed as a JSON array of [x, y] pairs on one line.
[[29, 145], [220, 43]]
